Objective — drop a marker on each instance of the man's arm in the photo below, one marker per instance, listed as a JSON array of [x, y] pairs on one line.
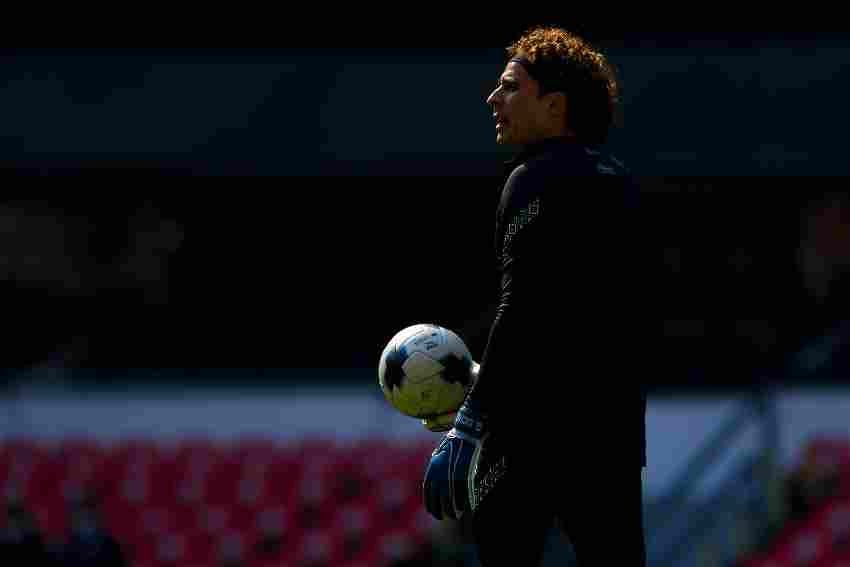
[[448, 490], [524, 236]]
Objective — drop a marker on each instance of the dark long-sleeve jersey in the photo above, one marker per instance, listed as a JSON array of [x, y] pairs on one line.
[[566, 350]]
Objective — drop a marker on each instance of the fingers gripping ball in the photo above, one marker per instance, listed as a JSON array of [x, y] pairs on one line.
[[425, 371], [440, 423]]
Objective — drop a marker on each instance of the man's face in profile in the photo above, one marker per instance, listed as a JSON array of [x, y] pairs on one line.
[[522, 115]]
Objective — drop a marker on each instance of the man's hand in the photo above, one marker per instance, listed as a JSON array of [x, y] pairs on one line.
[[445, 489], [440, 423]]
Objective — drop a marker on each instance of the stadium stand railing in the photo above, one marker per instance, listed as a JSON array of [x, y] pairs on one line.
[[688, 530]]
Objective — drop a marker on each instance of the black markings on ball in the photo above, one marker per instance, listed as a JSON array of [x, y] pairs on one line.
[[458, 369], [394, 373]]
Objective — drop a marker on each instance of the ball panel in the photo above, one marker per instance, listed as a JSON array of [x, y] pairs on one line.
[[425, 370], [420, 367]]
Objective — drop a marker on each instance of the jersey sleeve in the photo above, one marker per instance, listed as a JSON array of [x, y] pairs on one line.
[[522, 239]]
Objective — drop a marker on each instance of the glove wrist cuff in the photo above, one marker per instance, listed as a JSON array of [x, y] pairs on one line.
[[470, 420]]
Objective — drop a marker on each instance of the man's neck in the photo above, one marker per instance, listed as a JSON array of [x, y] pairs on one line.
[[536, 145]]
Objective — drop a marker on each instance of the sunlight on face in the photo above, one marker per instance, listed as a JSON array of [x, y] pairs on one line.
[[522, 115]]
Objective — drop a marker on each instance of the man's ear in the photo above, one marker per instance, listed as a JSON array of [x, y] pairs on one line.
[[557, 103]]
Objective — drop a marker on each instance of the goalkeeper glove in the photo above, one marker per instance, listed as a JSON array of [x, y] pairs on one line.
[[439, 423], [447, 483]]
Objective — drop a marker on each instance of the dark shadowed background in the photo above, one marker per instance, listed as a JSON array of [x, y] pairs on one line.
[[284, 207]]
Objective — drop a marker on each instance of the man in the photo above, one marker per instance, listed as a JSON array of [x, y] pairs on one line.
[[553, 428]]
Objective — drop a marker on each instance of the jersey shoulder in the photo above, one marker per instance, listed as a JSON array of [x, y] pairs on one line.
[[566, 160], [605, 163]]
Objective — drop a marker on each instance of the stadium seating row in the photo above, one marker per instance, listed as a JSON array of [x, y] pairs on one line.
[[200, 502], [822, 537]]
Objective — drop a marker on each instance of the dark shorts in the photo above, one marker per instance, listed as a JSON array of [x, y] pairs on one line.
[[598, 506]]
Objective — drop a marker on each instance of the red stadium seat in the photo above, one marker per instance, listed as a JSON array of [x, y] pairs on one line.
[[831, 455], [765, 562], [833, 520], [221, 486], [782, 556], [185, 517], [318, 547], [277, 535], [171, 549], [193, 458], [77, 450], [163, 481], [142, 550], [214, 520], [25, 449], [314, 448], [833, 561], [839, 557], [190, 490], [394, 498], [5, 463], [43, 484], [136, 451], [123, 520], [232, 547], [134, 489], [353, 527], [252, 488], [111, 473], [803, 546], [314, 505], [157, 520], [243, 519], [199, 548], [282, 480], [83, 461], [346, 478], [51, 520], [830, 449]]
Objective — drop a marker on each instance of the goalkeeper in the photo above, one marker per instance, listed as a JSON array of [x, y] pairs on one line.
[[553, 427]]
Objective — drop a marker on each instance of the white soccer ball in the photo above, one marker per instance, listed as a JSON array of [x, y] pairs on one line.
[[425, 371]]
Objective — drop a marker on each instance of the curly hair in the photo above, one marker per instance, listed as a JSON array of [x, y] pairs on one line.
[[562, 61]]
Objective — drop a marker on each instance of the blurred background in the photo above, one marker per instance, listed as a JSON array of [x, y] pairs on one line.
[[204, 252]]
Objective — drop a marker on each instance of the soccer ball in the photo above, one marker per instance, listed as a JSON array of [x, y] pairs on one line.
[[425, 371]]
